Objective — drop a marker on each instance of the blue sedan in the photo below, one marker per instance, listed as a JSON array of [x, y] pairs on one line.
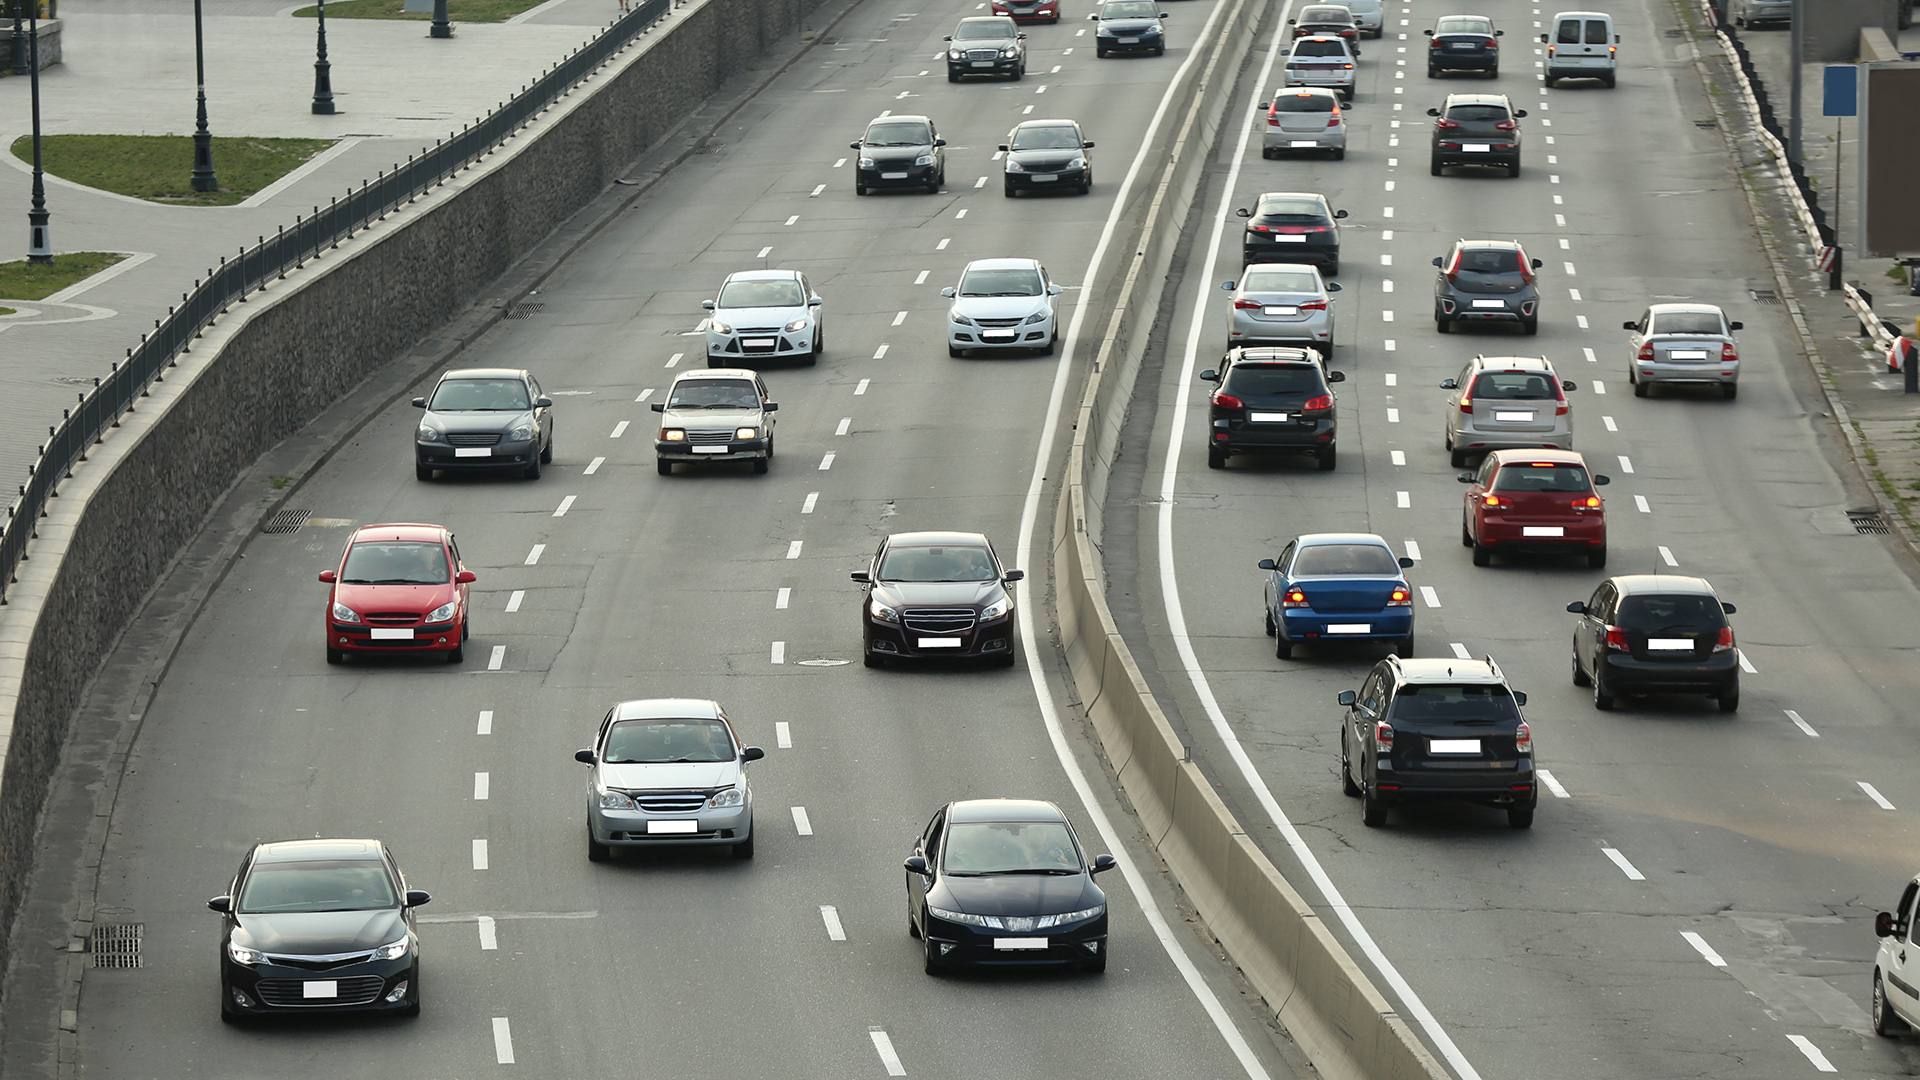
[[1338, 587]]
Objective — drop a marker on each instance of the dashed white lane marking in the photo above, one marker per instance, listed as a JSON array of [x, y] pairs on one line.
[[837, 164], [1386, 316], [1569, 268], [1386, 211], [922, 278], [513, 601], [1611, 426], [1599, 387], [620, 429], [1564, 245], [881, 352], [1427, 594], [779, 654], [1055, 71], [845, 423], [813, 497], [861, 387], [1620, 861], [479, 854], [1393, 416], [1626, 466], [801, 823], [1560, 220], [980, 183], [793, 549], [482, 783], [1389, 185], [534, 555], [1398, 457], [782, 598], [945, 240], [1554, 179], [566, 504], [1553, 784], [1581, 321], [1802, 724], [1813, 1053], [488, 940], [826, 462], [1746, 665], [1640, 504], [674, 360], [502, 1041], [962, 213], [485, 726], [593, 466], [1403, 500], [1666, 556], [1390, 346], [1026, 111], [1386, 285], [1874, 794], [1558, 201], [1394, 162], [1413, 550], [815, 193], [1082, 32], [831, 916], [1705, 950], [499, 657], [1590, 357], [1574, 295], [1460, 651], [1386, 260], [782, 735], [899, 317], [1041, 89], [645, 394], [796, 217], [883, 1045]]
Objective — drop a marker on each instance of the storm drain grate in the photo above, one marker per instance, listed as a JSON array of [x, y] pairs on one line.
[[287, 521], [1676, 33], [1706, 125], [117, 946], [1764, 296], [1867, 523], [524, 311]]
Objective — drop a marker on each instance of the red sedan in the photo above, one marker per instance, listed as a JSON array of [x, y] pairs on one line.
[[399, 589], [1028, 10], [1534, 500]]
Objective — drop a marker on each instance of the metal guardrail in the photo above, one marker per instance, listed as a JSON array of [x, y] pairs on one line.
[[253, 268]]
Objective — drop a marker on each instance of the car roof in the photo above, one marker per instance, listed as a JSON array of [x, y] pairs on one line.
[[1003, 810], [1003, 264], [717, 373], [899, 116], [667, 708], [1322, 37], [400, 531], [1272, 354], [1489, 245], [1666, 309], [954, 539], [1643, 584], [1310, 91], [985, 18], [763, 275], [1581, 15], [1478, 99], [1511, 363], [1274, 196], [1550, 457], [1478, 18], [484, 373], [1325, 539], [1323, 11], [285, 851], [1055, 122], [1436, 670]]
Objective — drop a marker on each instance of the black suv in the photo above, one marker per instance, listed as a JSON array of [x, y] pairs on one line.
[[1271, 401], [1486, 281], [900, 152], [1655, 633], [1292, 227], [1464, 43], [986, 45], [1437, 730], [1476, 129]]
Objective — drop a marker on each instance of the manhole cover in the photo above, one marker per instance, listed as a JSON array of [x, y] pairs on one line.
[[287, 521], [823, 662], [1765, 296], [524, 311], [1868, 523], [117, 946], [1676, 33]]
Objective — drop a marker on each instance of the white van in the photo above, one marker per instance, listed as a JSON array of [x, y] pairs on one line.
[[1581, 45], [1367, 15]]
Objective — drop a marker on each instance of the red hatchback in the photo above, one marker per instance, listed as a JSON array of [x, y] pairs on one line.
[[1534, 500], [1028, 10], [399, 588]]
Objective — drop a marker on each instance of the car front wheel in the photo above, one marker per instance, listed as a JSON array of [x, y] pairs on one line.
[[1886, 1022]]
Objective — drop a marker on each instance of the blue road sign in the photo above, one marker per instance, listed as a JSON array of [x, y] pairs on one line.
[[1842, 91]]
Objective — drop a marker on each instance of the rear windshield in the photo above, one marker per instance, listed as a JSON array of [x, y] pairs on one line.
[[1469, 702], [947, 563], [1346, 559], [1686, 322], [1508, 386], [1568, 33], [1326, 15], [1057, 137], [1280, 281], [662, 742], [1295, 209], [1311, 47], [1129, 9], [480, 395], [714, 394], [899, 133], [1569, 479], [396, 562], [992, 28], [1492, 261], [1304, 103], [319, 885], [1477, 114], [1250, 381], [1652, 614], [1463, 26], [1011, 847], [752, 294], [1596, 32]]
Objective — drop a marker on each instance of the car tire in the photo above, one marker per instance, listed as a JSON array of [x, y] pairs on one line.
[[1579, 675], [1443, 324], [1730, 390], [760, 465], [1513, 170], [1730, 701], [1086, 186], [1161, 51], [597, 851], [1266, 154], [953, 76], [1340, 154], [458, 654], [1328, 459], [1640, 389], [532, 471], [1373, 812], [913, 928], [1347, 787], [1053, 344], [951, 351], [1482, 555], [665, 467], [1282, 648], [1008, 189], [744, 849], [869, 660], [1432, 72], [1333, 268], [422, 472], [1019, 73], [1216, 459], [1097, 965], [1272, 628], [335, 656], [1886, 1023], [819, 348], [1493, 72], [1404, 647], [546, 456], [1466, 538], [1099, 52], [1529, 327], [1602, 696], [1520, 817], [1458, 458], [933, 966], [1597, 560], [1607, 80]]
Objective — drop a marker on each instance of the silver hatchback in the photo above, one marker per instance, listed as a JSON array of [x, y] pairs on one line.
[[1683, 343], [1507, 403], [1304, 119], [1282, 304], [668, 772]]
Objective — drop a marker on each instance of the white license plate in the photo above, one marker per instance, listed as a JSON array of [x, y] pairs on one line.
[[1268, 417], [1303, 144], [320, 988], [1490, 303], [983, 63], [1014, 943], [1543, 530], [1474, 147], [939, 643], [1459, 44], [1670, 644], [1686, 354], [893, 176], [1350, 628], [1286, 238], [388, 633], [1453, 746], [708, 449], [1128, 40], [998, 335], [473, 451], [758, 343], [673, 826], [1044, 178], [1512, 417], [1280, 309]]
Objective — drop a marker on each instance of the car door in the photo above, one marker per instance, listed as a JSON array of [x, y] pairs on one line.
[[767, 419], [1369, 706], [1277, 580], [1462, 383], [1477, 490], [1901, 957], [1591, 633], [542, 415], [928, 848]]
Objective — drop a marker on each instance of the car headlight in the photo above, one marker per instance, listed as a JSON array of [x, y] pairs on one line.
[[614, 800], [443, 612], [1150, 31], [428, 434], [1047, 922], [956, 54], [1039, 317], [1015, 167], [343, 613], [882, 612], [243, 955], [997, 608], [746, 433], [392, 950], [719, 327], [989, 922], [520, 433], [672, 435], [1008, 51], [959, 318], [1077, 163], [866, 163], [733, 796], [796, 326], [923, 159]]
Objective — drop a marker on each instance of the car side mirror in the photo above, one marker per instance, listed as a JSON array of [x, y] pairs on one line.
[[1243, 212], [1347, 697], [1333, 286], [1536, 263], [949, 37], [1293, 22], [1208, 375], [1428, 31], [947, 292], [1433, 112], [862, 577], [1616, 39], [1519, 114], [225, 904], [584, 757], [854, 145], [543, 403], [1436, 262], [659, 406], [1406, 563], [1736, 326], [1336, 376], [1283, 52], [916, 864], [1022, 37], [1449, 384], [465, 577], [1882, 923], [419, 403], [771, 406], [1499, 33], [1226, 286], [1087, 144], [1093, 18], [1339, 213], [1728, 608], [1602, 481], [752, 753], [1102, 863], [1465, 478], [1166, 14], [1003, 148], [1629, 325], [327, 576], [419, 898], [939, 142], [707, 305], [1012, 576], [814, 301], [1568, 384], [1054, 290], [1543, 37], [1577, 608], [1268, 564], [1520, 697]]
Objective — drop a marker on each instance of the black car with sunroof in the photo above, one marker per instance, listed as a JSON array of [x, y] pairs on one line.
[[1271, 401]]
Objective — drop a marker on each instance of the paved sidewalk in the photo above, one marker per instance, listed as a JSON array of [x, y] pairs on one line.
[[129, 70]]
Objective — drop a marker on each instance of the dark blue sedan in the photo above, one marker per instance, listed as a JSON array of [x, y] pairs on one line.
[[1338, 587]]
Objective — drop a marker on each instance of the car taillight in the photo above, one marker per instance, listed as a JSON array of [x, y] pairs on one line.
[[1560, 408], [1616, 639], [1504, 125], [1445, 124], [1294, 598], [1227, 401], [1493, 44], [1466, 403], [1258, 228], [1243, 304], [1725, 641], [1523, 739], [1646, 352], [1314, 305], [1383, 736], [1728, 355], [1333, 121], [1588, 502], [1490, 499], [1436, 43], [1316, 404], [1611, 50], [1401, 596]]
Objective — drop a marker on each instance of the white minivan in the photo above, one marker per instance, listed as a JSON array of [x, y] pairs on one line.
[[1581, 45]]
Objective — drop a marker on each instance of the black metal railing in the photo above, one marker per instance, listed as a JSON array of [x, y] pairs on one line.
[[85, 423]]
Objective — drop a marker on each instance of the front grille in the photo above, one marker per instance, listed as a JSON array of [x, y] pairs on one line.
[[711, 438], [353, 990], [997, 324], [391, 618], [485, 438], [670, 802], [939, 620], [983, 54], [320, 963]]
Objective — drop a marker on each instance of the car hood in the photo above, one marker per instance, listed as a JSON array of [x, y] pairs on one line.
[[1015, 894], [999, 307], [673, 776], [937, 593], [415, 598], [1042, 159], [477, 421], [896, 153], [710, 418], [319, 933], [759, 316], [1125, 26]]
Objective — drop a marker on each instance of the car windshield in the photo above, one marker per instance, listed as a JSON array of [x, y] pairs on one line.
[[1477, 114], [1513, 386], [1652, 614], [1291, 210], [1471, 701], [1051, 137], [1266, 381], [1129, 9], [898, 134], [1304, 103], [713, 394], [1560, 479], [1463, 26], [1313, 47], [663, 742], [480, 395], [1490, 261], [1011, 847], [319, 885], [991, 28], [1687, 322], [1280, 281], [396, 562], [752, 294], [1326, 15], [1013, 282], [1334, 559], [944, 563]]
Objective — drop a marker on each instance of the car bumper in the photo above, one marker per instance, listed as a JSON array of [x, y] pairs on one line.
[[1006, 65], [1029, 13], [1145, 44], [1046, 180], [1580, 68], [1275, 139], [738, 349], [1508, 311], [1718, 673], [1297, 624], [359, 638], [1495, 532], [633, 828], [1469, 439], [1342, 82], [996, 638], [736, 450], [976, 947], [1315, 333], [504, 455], [1290, 253], [1718, 374], [905, 176], [1251, 439], [1513, 786], [1494, 154], [276, 990], [1023, 337], [1447, 61]]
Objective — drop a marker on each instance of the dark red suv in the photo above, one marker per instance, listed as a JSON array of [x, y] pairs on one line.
[[1534, 500]]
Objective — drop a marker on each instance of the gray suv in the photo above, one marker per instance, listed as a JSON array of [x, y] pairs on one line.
[[1507, 402], [668, 772], [1476, 129], [718, 415], [1483, 281]]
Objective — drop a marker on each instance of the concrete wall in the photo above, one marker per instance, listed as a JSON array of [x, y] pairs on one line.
[[273, 364], [49, 44], [1831, 33]]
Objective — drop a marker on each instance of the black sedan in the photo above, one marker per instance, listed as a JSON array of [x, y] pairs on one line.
[[1463, 43], [318, 926], [1003, 882], [900, 152], [937, 594], [484, 418], [1047, 155], [1128, 26], [1292, 227]]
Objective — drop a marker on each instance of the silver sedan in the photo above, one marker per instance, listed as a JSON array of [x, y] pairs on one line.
[[1282, 304], [1683, 343], [1305, 118]]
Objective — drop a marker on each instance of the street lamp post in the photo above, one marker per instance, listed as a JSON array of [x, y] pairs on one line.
[[441, 27], [203, 177], [39, 242], [18, 55], [322, 71]]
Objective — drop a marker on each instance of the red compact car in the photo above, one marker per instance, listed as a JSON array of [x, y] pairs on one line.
[[1534, 500], [399, 589], [1028, 10]]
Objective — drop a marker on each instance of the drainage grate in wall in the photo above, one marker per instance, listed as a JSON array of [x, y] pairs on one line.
[[524, 311], [117, 946], [1867, 523], [287, 521], [1764, 296]]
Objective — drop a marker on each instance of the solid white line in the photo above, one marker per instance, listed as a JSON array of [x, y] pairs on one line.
[[1552, 783], [1802, 724], [566, 504], [479, 854], [899, 317], [801, 822], [1667, 557], [826, 462], [782, 735], [534, 555], [513, 602], [499, 656], [781, 598], [1460, 651], [619, 429], [486, 722], [831, 916], [884, 1046], [1403, 500], [1874, 794], [482, 784], [1640, 504], [488, 940], [1746, 665], [502, 1041], [793, 549], [1813, 1053], [593, 466], [807, 506], [1626, 867], [845, 423], [1432, 598], [1626, 466], [1413, 550], [779, 652], [1705, 950], [1398, 457]]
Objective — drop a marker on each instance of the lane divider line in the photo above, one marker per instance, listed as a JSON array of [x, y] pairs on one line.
[[1413, 549], [1574, 295], [1598, 386], [479, 854], [1403, 500], [1746, 665], [594, 466], [883, 1045], [779, 652], [644, 395], [922, 279], [513, 601], [502, 1041], [482, 786], [801, 823], [619, 429], [881, 352], [764, 252], [1432, 598], [489, 940], [1608, 420], [1802, 724], [899, 317], [780, 599], [534, 555], [860, 388], [813, 497], [485, 726], [1666, 556], [499, 657], [793, 549], [815, 193], [782, 735], [831, 916], [1398, 457], [1591, 359], [1640, 504], [826, 462], [1553, 784], [1460, 651], [1705, 950], [1813, 1053], [845, 423], [566, 504], [1620, 861], [1874, 794], [1626, 465]]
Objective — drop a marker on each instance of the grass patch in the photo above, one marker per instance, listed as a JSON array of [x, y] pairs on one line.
[[159, 168], [22, 280], [459, 11], [279, 482]]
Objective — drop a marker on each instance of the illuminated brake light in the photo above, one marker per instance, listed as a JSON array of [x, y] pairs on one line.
[[1725, 641], [1317, 404], [1401, 596], [1294, 598], [1616, 639], [1466, 401], [1227, 401], [1523, 739], [1590, 502], [1490, 499], [1383, 737]]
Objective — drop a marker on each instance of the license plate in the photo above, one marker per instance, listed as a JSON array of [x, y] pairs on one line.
[[1285, 238], [983, 63], [939, 643], [1669, 644], [1489, 303], [893, 176], [673, 826], [709, 449], [388, 633], [1280, 309], [1044, 178], [1128, 40], [1543, 530], [1686, 354], [1268, 417], [997, 335], [1513, 417], [1015, 943], [1350, 628], [1453, 746], [1459, 44], [757, 343], [1474, 147], [320, 988], [473, 451], [1303, 144]]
